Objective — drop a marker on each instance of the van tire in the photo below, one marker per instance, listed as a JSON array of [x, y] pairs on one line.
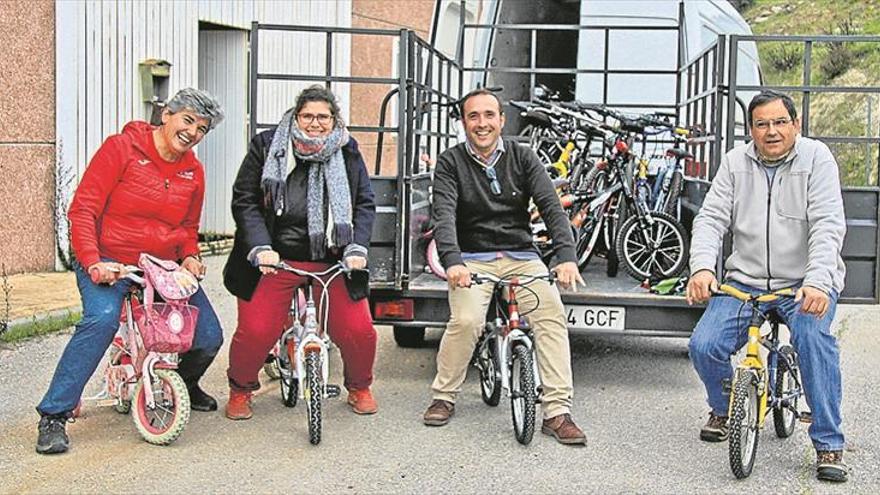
[[409, 337]]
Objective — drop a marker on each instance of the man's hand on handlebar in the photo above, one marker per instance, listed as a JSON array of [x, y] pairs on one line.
[[814, 301], [568, 275], [458, 276], [701, 286]]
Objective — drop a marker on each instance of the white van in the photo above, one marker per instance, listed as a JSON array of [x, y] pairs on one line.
[[704, 20]]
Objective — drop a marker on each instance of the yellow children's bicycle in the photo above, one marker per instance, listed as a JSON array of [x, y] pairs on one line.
[[760, 385]]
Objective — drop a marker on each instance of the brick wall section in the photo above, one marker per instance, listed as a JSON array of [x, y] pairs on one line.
[[27, 135], [373, 56]]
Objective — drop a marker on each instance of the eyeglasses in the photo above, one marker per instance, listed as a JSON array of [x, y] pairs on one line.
[[763, 125], [308, 118], [493, 178]]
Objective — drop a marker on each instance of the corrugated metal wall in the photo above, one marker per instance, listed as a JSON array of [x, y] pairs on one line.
[[100, 43]]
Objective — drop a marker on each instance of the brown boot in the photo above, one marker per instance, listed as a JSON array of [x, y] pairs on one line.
[[563, 429], [439, 412], [239, 405]]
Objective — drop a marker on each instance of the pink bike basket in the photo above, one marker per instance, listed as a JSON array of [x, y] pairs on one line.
[[167, 327]]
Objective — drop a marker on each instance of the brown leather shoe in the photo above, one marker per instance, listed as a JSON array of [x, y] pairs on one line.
[[563, 429], [439, 412], [239, 405]]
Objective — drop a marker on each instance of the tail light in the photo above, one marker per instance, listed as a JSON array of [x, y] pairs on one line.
[[396, 309]]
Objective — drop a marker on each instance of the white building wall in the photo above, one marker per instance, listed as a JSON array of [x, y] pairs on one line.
[[100, 43]]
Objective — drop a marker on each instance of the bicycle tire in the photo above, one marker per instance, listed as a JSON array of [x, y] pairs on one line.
[[313, 394], [289, 382], [785, 418], [490, 381], [271, 369], [673, 195], [743, 440], [585, 247], [523, 395], [166, 421], [641, 261]]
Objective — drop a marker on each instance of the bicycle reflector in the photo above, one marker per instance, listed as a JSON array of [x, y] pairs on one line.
[[396, 309]]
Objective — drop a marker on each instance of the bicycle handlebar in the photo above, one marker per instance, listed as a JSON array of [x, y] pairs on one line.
[[521, 279], [728, 290]]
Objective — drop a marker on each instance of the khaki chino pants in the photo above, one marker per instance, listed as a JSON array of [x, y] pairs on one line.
[[468, 314]]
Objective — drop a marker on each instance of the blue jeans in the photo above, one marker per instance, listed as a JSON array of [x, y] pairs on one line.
[[102, 305], [723, 329]]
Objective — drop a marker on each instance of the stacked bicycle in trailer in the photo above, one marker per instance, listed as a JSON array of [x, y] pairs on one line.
[[657, 161]]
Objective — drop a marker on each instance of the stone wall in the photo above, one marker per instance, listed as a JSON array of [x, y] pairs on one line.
[[27, 136]]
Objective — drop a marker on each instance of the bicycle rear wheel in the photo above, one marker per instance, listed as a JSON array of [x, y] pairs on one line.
[[490, 382], [163, 423], [785, 415], [287, 370], [743, 442], [313, 394], [523, 396]]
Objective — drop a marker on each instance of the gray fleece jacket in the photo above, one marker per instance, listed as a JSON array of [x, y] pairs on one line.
[[785, 231]]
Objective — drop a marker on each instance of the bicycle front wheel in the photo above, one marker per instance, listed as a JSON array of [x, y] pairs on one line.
[[743, 442], [656, 250], [313, 393], [785, 415], [165, 421], [523, 395]]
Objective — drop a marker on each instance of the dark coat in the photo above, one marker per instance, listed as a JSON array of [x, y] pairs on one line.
[[255, 224]]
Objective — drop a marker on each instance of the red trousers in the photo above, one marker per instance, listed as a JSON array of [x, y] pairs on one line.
[[261, 322]]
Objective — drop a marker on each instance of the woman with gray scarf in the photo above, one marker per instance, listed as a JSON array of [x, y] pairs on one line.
[[302, 196]]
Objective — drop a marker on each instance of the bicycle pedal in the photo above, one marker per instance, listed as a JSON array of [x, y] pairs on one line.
[[333, 390], [805, 417]]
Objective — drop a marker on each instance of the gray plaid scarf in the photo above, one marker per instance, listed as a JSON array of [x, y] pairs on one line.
[[327, 179]]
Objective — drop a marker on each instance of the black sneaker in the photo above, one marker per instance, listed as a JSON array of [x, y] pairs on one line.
[[52, 438], [200, 401], [830, 466], [715, 430]]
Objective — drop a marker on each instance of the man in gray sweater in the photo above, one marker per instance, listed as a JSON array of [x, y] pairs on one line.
[[779, 196]]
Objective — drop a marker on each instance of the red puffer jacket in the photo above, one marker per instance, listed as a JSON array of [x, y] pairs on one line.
[[131, 201]]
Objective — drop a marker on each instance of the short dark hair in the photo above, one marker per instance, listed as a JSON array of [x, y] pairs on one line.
[[478, 92], [768, 95], [317, 93]]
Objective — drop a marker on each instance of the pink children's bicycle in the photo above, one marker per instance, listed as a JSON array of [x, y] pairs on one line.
[[139, 376]]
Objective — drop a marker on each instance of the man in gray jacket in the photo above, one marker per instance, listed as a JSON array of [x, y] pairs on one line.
[[779, 196]]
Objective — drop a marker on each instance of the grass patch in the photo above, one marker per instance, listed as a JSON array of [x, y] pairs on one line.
[[40, 326]]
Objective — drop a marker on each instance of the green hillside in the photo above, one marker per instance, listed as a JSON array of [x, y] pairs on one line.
[[833, 64]]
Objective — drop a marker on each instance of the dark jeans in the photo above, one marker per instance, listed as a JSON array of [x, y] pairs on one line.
[[723, 330], [102, 305]]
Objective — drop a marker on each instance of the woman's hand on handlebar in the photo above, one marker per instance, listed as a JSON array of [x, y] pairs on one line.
[[106, 272], [195, 266], [701, 286], [268, 257], [458, 276], [355, 262], [568, 275]]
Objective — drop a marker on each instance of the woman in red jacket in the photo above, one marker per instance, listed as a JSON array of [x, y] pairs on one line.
[[141, 193]]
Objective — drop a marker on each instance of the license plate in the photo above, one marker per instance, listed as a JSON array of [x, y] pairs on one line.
[[582, 317]]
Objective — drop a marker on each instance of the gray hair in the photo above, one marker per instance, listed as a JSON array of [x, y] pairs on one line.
[[768, 95], [198, 102]]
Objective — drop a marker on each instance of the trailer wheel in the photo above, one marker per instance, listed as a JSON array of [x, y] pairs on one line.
[[409, 336]]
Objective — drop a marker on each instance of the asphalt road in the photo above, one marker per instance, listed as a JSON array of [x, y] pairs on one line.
[[638, 400]]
